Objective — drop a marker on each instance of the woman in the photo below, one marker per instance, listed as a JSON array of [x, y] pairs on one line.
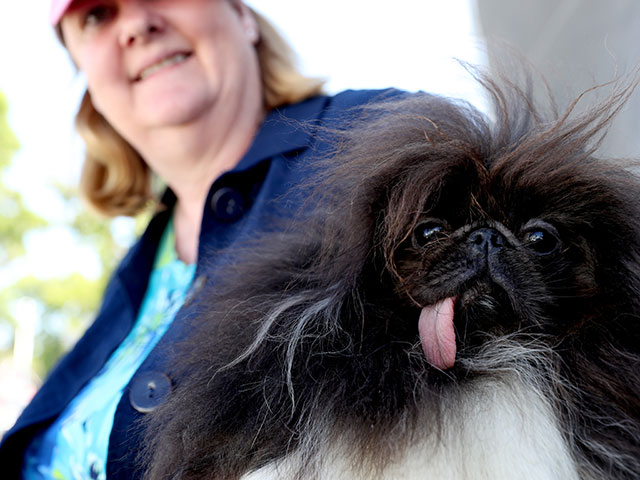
[[203, 95]]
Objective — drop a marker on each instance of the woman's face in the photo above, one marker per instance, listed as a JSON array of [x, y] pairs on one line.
[[163, 63]]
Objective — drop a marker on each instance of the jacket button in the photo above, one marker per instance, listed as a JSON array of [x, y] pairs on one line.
[[149, 390], [227, 204]]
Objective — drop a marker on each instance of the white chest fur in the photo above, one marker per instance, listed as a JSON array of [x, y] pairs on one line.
[[492, 431]]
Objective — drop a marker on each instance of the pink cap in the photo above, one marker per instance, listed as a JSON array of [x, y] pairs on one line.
[[58, 8]]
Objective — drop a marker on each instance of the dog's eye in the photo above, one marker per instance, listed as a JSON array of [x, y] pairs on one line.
[[541, 240], [427, 232]]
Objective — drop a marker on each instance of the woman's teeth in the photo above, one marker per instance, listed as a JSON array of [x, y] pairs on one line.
[[172, 60]]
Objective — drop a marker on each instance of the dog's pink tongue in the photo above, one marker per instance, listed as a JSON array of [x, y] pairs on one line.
[[437, 334]]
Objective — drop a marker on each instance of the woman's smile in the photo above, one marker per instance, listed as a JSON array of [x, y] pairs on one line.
[[162, 64]]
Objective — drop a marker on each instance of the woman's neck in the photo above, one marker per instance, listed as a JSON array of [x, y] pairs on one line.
[[190, 158]]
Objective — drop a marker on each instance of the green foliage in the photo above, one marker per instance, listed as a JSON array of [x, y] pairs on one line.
[[8, 141], [15, 219], [66, 305]]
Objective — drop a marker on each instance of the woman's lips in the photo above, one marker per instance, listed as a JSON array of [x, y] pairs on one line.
[[165, 62]]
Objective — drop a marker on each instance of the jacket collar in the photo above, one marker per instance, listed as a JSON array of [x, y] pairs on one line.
[[284, 129]]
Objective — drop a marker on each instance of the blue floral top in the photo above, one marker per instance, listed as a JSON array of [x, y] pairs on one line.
[[75, 446]]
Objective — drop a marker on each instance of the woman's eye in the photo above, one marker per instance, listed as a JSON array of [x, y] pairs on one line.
[[97, 15], [541, 241], [427, 232]]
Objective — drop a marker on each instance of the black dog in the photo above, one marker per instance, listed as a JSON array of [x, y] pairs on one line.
[[468, 311]]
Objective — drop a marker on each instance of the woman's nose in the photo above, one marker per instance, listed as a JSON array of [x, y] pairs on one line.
[[138, 22]]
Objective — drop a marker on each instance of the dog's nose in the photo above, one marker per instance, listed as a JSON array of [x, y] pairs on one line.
[[486, 240]]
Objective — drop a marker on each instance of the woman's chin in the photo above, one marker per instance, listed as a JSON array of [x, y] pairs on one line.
[[164, 104], [168, 113]]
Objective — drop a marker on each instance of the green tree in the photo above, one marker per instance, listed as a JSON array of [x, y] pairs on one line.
[[63, 306], [15, 219]]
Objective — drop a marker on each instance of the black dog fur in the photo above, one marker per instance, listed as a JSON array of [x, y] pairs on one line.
[[311, 352]]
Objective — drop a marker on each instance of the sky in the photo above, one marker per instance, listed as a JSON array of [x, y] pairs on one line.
[[408, 44]]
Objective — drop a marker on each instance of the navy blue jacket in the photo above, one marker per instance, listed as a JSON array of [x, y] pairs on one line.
[[239, 204]]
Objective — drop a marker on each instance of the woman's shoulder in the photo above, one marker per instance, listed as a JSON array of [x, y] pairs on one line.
[[354, 98], [347, 106]]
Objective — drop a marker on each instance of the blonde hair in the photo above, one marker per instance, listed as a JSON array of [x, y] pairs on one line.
[[116, 180]]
